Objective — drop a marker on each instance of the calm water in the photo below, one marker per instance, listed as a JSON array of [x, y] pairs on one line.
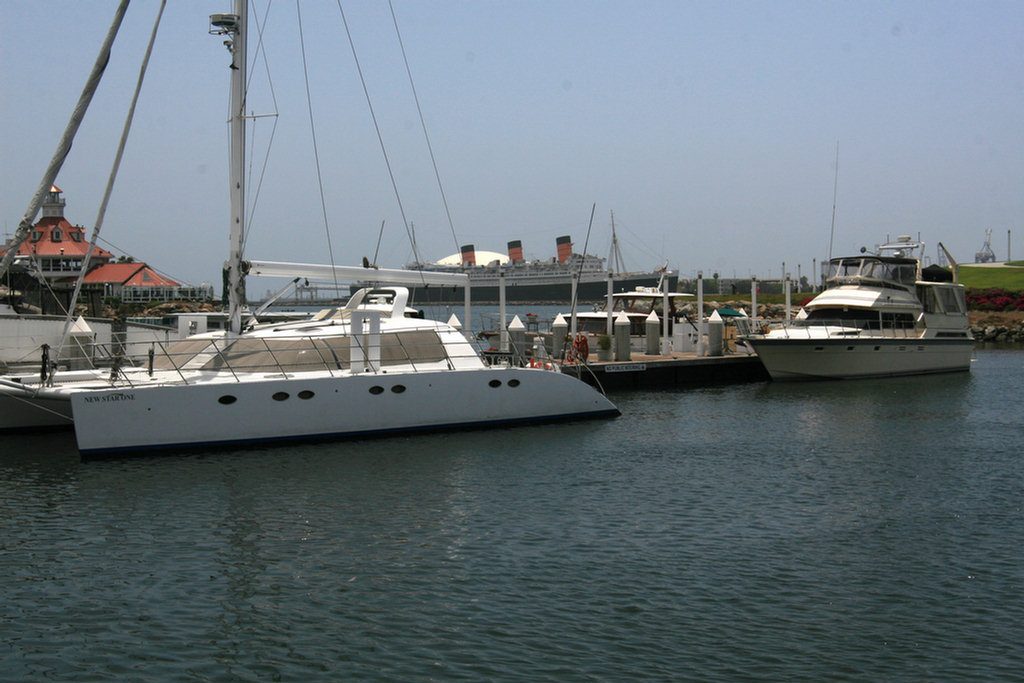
[[858, 531]]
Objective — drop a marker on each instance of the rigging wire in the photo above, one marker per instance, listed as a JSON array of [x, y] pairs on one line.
[[579, 271], [316, 153], [110, 180], [273, 131], [423, 124], [380, 138]]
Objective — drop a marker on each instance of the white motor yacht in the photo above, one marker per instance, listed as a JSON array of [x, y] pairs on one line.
[[880, 315]]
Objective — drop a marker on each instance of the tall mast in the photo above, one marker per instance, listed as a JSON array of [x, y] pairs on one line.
[[234, 26]]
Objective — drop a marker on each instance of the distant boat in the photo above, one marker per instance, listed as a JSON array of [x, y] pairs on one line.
[[536, 281], [881, 315]]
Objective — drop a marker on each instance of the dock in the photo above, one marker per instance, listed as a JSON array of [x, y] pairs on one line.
[[675, 370]]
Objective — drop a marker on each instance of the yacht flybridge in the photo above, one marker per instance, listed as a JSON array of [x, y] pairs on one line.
[[881, 315], [361, 369]]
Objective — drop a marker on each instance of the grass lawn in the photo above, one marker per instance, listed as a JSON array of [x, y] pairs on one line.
[[983, 277]]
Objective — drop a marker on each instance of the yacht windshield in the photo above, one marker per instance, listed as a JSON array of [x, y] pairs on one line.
[[898, 271]]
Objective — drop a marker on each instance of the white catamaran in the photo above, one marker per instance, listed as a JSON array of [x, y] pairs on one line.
[[355, 370]]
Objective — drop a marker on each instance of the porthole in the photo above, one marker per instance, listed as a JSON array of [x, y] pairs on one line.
[[398, 389], [513, 383], [878, 348], [849, 348], [376, 390], [306, 394], [495, 383], [280, 396], [226, 400]]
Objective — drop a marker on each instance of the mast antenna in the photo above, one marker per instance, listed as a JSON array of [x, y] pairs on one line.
[[835, 195]]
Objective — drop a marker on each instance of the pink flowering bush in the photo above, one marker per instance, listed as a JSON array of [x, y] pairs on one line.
[[995, 300]]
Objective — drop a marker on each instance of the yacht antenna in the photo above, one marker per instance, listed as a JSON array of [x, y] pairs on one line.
[[616, 256], [835, 194]]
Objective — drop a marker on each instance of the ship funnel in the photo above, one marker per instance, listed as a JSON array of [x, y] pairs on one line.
[[515, 251], [564, 248], [468, 255]]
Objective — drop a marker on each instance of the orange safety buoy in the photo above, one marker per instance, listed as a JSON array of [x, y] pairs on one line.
[[580, 349]]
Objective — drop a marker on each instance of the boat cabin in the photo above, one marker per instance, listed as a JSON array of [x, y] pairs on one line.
[[637, 304]]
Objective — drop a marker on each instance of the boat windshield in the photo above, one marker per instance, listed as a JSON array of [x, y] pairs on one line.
[[898, 271], [864, 319], [643, 304]]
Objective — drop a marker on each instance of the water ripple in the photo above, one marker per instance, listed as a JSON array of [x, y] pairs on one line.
[[851, 532]]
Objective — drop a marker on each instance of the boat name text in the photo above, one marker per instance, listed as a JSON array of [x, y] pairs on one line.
[[122, 396]]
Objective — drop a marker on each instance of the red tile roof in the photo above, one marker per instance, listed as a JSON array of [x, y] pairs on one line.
[[129, 275], [71, 239]]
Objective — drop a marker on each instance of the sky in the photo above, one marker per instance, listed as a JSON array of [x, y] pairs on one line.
[[711, 129]]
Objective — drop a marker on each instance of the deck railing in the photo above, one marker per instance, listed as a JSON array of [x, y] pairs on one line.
[[843, 329], [192, 360]]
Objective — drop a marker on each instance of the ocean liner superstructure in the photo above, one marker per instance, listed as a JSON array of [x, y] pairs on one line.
[[531, 281]]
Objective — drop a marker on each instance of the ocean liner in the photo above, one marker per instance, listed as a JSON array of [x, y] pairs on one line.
[[536, 281]]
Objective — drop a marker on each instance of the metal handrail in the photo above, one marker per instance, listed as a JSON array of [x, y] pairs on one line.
[[849, 328]]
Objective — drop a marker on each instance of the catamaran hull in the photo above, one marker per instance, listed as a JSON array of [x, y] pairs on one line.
[[803, 359], [30, 413], [173, 416]]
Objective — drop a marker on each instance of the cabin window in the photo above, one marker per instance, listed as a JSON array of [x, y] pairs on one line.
[[952, 299], [418, 347], [929, 299], [295, 355], [270, 355], [175, 355]]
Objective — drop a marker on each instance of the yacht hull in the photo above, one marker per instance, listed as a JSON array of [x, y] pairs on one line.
[[803, 359], [175, 416]]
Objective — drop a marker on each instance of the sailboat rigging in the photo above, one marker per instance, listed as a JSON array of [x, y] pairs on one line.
[[360, 369]]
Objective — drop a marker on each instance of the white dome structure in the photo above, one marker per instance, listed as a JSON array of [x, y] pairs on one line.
[[482, 258]]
